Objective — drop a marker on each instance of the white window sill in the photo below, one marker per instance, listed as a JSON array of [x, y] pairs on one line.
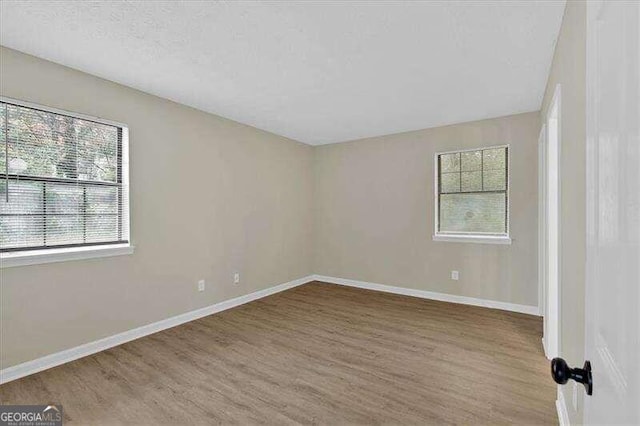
[[36, 257], [481, 239]]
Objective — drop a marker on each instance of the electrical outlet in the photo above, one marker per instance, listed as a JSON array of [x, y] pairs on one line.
[[575, 396], [455, 275], [201, 285], [236, 278]]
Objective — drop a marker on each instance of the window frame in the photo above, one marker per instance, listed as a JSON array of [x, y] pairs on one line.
[[22, 256], [472, 237]]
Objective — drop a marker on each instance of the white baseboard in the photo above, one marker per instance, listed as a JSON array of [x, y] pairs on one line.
[[494, 304], [68, 355], [561, 407]]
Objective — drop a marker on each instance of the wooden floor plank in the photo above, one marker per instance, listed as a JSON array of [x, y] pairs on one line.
[[316, 354]]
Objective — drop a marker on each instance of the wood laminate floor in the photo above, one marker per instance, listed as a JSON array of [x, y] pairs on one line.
[[318, 353]]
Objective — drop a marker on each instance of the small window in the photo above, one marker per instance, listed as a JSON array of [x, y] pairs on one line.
[[472, 193], [63, 179]]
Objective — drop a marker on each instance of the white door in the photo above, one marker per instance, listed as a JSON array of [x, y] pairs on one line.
[[613, 212]]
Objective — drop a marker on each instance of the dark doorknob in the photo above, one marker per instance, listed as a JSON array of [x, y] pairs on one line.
[[561, 373]]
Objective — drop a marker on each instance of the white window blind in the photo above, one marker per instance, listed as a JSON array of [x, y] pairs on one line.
[[63, 179], [472, 192]]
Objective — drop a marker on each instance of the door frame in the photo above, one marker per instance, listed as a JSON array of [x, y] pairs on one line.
[[552, 300], [542, 241]]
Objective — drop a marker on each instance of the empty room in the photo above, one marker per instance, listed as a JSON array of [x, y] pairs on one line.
[[319, 212]]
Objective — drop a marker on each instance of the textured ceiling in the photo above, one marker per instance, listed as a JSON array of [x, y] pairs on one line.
[[318, 72]]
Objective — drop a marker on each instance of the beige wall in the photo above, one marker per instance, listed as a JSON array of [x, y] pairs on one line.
[[375, 213], [208, 197], [569, 70], [271, 208]]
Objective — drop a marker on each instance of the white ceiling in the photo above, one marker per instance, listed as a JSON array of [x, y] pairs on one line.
[[318, 72]]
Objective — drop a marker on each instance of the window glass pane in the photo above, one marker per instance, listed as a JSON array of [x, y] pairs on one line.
[[102, 228], [24, 197], [36, 142], [494, 180], [450, 182], [53, 145], [102, 199], [66, 190], [473, 213], [97, 151], [64, 199], [450, 162], [21, 231], [470, 209], [64, 230], [471, 161], [494, 159], [471, 181]]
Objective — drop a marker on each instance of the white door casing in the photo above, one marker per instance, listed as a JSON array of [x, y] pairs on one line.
[[541, 226], [612, 333], [552, 226]]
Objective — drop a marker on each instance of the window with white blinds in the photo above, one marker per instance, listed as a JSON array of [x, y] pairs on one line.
[[63, 179], [472, 196]]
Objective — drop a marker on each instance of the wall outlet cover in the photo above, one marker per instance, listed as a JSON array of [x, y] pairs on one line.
[[455, 275], [201, 285]]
